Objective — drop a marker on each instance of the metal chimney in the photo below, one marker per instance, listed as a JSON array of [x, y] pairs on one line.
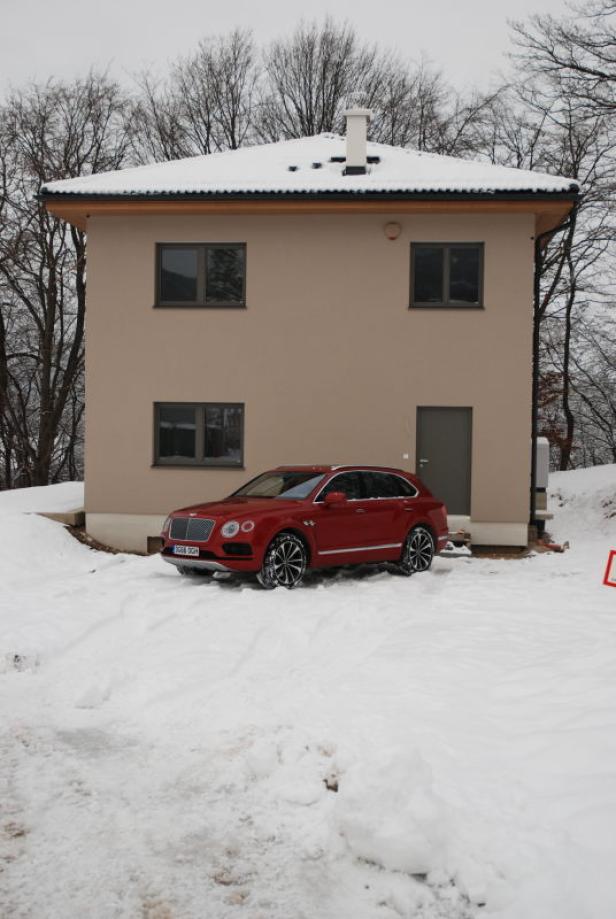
[[356, 146]]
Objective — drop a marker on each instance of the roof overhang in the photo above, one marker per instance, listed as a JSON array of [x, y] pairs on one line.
[[550, 208]]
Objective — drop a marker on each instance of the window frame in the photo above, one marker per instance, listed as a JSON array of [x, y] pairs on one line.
[[200, 303], [447, 303], [199, 462]]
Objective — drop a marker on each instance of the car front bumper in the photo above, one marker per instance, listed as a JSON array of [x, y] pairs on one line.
[[212, 558], [207, 564]]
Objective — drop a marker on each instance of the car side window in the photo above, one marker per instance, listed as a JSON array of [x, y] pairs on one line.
[[404, 488], [347, 482], [383, 485]]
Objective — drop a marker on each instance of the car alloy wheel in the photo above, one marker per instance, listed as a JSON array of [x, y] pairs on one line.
[[418, 551], [284, 564]]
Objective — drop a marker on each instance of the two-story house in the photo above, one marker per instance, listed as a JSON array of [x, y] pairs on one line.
[[314, 300]]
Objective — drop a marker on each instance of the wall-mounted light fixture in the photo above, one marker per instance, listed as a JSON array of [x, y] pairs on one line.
[[392, 230]]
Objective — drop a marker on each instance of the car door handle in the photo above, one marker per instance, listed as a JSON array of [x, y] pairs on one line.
[[409, 509], [360, 510]]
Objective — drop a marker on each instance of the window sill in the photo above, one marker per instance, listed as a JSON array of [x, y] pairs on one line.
[[446, 306], [196, 466], [199, 306]]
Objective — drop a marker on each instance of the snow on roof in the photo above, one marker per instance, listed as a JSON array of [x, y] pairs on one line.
[[305, 166]]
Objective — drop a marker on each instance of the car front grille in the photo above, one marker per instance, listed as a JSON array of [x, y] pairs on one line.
[[196, 529]]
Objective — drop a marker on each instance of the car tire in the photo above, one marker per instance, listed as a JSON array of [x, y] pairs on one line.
[[284, 562], [417, 552]]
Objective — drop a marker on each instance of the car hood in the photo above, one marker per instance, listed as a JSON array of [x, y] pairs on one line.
[[238, 507]]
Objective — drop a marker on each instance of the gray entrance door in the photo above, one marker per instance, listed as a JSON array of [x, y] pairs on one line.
[[444, 438]]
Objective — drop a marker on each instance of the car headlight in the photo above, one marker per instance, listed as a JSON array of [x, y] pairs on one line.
[[248, 526], [230, 528]]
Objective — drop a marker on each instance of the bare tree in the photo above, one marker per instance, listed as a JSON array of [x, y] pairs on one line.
[[205, 105], [579, 49], [542, 122], [593, 386], [310, 77], [577, 260], [47, 131], [414, 107], [408, 109]]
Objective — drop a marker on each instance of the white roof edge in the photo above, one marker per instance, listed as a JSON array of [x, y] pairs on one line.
[[311, 166]]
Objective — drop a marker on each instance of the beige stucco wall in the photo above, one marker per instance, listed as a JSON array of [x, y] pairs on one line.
[[328, 359]]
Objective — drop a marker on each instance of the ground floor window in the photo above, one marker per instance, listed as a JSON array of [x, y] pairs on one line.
[[199, 433]]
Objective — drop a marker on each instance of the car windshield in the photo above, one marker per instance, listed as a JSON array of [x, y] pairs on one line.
[[291, 485]]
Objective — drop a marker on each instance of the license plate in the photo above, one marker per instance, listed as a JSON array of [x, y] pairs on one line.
[[193, 551]]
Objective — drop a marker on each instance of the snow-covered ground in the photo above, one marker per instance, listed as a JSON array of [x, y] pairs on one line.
[[167, 745], [52, 499]]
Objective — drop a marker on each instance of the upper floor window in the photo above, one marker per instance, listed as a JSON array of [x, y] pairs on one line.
[[202, 275], [199, 434], [447, 275]]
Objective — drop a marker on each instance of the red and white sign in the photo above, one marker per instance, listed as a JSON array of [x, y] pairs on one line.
[[610, 572]]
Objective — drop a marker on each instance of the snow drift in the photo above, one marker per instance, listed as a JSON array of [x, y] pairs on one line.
[[366, 746]]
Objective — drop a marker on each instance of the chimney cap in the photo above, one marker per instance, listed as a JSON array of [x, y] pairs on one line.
[[357, 111]]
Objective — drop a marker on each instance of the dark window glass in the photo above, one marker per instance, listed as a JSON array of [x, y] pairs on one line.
[[384, 485], [347, 482], [225, 274], [178, 274], [405, 489], [176, 432], [293, 485], [447, 274], [464, 274], [428, 274], [204, 274], [202, 434], [223, 433]]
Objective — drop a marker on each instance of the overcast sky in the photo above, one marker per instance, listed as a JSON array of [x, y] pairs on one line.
[[40, 38]]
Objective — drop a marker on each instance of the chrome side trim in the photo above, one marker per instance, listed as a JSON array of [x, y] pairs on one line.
[[389, 545]]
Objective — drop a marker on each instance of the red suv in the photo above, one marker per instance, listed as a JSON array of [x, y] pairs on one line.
[[298, 517]]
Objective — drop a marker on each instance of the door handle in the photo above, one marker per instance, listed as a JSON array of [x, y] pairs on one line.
[[423, 462], [360, 510]]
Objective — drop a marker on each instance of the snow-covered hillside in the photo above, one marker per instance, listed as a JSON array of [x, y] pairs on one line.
[[367, 746]]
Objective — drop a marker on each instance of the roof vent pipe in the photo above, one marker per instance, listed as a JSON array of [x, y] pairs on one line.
[[356, 145]]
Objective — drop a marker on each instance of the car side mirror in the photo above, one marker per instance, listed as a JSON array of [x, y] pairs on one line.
[[335, 499]]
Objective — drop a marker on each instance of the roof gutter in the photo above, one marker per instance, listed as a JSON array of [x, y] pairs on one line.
[[393, 195]]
